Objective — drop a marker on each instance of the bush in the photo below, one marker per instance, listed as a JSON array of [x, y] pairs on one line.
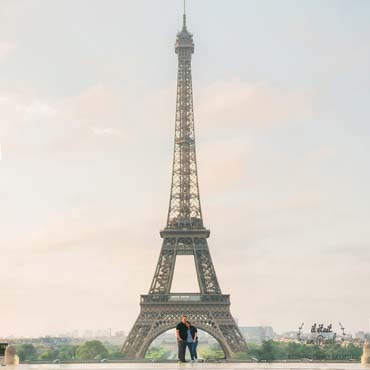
[[26, 352], [91, 350]]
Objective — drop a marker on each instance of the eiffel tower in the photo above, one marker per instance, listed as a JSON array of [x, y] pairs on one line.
[[184, 234]]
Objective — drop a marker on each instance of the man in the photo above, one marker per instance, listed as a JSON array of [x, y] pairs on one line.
[[181, 334]]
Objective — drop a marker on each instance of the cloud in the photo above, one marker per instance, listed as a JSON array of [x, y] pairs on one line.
[[89, 257], [229, 103], [108, 131], [321, 153], [100, 105], [222, 163], [258, 105], [6, 48], [33, 125]]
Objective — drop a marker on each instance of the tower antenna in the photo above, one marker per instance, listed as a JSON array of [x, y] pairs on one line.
[[184, 16]]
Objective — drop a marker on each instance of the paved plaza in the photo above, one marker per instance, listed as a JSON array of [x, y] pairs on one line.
[[206, 366]]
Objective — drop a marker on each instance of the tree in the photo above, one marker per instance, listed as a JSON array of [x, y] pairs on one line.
[[91, 350], [26, 352], [157, 353], [351, 352], [67, 352], [48, 355], [267, 351]]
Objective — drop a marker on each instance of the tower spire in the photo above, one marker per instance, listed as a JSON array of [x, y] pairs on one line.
[[184, 17]]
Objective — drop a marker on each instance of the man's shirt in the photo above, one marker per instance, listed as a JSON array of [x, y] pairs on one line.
[[183, 330]]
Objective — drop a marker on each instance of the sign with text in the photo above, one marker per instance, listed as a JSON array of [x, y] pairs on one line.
[[319, 334], [3, 348], [321, 328]]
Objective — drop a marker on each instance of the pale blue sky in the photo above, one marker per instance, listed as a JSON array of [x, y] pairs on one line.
[[87, 99]]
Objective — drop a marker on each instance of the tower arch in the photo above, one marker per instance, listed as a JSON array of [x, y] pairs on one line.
[[166, 327]]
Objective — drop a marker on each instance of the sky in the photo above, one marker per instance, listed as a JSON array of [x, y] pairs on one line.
[[87, 111]]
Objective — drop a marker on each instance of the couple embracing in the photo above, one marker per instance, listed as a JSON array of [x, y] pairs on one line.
[[187, 336]]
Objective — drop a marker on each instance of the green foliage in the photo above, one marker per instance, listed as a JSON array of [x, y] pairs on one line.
[[26, 352], [48, 355], [352, 352], [67, 352], [114, 351], [253, 352], [91, 350], [208, 354], [267, 351], [116, 355], [270, 351], [211, 353], [157, 353], [29, 352]]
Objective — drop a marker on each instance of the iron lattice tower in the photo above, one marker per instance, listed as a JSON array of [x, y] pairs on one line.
[[184, 234]]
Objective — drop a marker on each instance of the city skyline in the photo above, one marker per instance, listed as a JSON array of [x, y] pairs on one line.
[[281, 111]]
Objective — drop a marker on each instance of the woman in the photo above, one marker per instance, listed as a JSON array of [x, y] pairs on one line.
[[192, 340]]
